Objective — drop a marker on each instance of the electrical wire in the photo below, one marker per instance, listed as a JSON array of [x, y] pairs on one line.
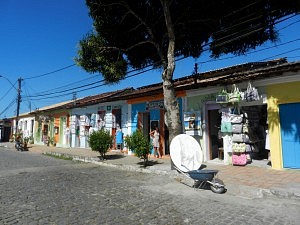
[[250, 52], [6, 93], [144, 70], [9, 106], [45, 74], [279, 54], [52, 93]]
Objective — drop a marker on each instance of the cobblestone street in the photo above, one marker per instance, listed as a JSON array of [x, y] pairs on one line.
[[39, 189]]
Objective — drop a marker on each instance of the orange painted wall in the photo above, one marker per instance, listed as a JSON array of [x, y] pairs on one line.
[[57, 123], [153, 97]]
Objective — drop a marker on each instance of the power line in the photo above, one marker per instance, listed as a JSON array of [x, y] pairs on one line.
[[250, 52], [66, 67], [135, 74], [9, 106], [72, 89], [280, 54], [45, 74], [251, 31], [7, 92], [289, 25], [45, 92]]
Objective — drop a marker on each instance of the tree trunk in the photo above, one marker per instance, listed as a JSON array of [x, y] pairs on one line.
[[172, 115]]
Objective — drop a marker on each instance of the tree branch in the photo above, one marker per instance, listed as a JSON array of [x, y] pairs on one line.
[[148, 28], [171, 36]]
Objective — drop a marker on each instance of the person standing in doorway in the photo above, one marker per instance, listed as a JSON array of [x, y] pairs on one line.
[[155, 141]]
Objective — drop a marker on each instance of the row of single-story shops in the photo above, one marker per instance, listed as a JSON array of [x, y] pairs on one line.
[[227, 130]]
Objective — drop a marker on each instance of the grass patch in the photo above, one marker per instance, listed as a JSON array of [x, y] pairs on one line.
[[59, 156]]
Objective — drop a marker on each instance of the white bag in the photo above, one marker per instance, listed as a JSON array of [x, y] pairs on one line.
[[235, 95], [251, 94], [237, 128], [240, 138], [234, 118]]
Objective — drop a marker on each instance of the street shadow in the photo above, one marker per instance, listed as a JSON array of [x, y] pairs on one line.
[[149, 163], [111, 157]]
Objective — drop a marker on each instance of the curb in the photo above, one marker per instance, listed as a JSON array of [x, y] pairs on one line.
[[283, 192], [232, 189], [131, 168], [286, 191]]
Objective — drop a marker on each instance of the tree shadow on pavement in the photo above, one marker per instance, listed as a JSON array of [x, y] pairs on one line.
[[149, 163], [111, 157]]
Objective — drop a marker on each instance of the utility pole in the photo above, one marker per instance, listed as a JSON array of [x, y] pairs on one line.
[[74, 98], [195, 73], [18, 104]]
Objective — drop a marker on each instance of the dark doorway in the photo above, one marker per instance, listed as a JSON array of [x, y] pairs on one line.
[[116, 113], [214, 120], [144, 123]]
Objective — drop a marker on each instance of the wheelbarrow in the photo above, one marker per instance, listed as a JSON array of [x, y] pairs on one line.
[[203, 178], [187, 157]]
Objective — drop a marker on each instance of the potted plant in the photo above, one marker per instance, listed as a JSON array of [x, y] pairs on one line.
[[31, 140], [100, 141], [140, 145], [25, 142]]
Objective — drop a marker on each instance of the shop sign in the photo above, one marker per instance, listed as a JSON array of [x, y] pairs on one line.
[[196, 102], [155, 105], [192, 123], [116, 107], [205, 98]]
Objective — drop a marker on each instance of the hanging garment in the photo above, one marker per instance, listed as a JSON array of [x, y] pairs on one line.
[[267, 145], [227, 143]]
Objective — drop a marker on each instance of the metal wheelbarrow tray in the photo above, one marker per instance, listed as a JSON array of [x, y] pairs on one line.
[[187, 157], [204, 177]]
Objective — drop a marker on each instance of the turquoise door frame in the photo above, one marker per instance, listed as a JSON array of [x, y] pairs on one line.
[[290, 134]]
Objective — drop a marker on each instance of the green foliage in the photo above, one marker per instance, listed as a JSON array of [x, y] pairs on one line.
[[140, 145], [128, 141], [26, 139], [94, 56], [100, 141], [138, 34], [51, 141], [58, 156]]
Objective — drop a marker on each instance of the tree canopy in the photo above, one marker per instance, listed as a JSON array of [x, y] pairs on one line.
[[135, 34]]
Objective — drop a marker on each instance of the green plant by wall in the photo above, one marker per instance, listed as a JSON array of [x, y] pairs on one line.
[[140, 145], [100, 141], [38, 132], [51, 141]]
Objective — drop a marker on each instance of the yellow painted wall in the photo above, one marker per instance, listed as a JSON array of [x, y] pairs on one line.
[[279, 94]]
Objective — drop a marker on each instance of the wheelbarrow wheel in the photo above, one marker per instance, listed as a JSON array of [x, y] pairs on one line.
[[217, 186]]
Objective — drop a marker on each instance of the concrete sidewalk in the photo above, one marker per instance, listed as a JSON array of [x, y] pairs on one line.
[[248, 181]]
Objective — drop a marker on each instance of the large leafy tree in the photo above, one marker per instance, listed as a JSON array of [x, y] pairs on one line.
[[137, 34]]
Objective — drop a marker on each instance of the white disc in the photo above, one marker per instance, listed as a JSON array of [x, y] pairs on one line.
[[186, 153]]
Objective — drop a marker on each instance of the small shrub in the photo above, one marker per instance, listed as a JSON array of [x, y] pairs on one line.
[[128, 142], [140, 145], [51, 141], [100, 141]]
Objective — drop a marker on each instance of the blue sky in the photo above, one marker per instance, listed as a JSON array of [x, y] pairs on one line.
[[41, 37]]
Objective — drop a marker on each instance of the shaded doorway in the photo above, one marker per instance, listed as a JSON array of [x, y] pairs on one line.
[[214, 123], [116, 120], [144, 123]]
